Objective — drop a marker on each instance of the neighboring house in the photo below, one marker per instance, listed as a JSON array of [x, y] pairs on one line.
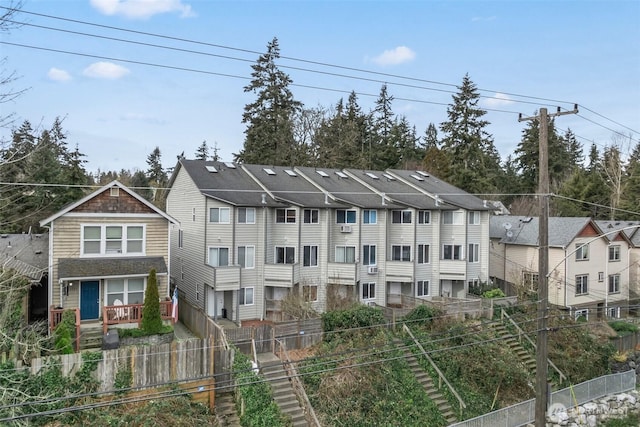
[[588, 267], [250, 235], [102, 248], [631, 229], [27, 255]]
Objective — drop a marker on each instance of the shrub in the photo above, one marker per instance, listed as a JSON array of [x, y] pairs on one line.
[[358, 317], [623, 328], [421, 315], [151, 319], [64, 333], [493, 293]]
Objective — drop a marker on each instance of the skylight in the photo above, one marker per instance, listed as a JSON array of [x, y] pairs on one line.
[[372, 175], [269, 171], [417, 177], [423, 173], [230, 165], [341, 174], [290, 172], [211, 169], [389, 177], [322, 174]]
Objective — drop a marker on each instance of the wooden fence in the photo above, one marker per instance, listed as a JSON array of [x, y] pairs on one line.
[[626, 343]]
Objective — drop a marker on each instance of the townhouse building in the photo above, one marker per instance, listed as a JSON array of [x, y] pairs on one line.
[[589, 262], [250, 235]]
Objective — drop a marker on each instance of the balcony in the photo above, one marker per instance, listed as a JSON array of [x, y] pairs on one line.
[[399, 271], [281, 275], [341, 273], [453, 269], [226, 278]]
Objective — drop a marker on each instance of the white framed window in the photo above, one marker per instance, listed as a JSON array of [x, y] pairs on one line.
[[368, 291], [582, 284], [613, 312], [582, 252], [245, 296], [452, 218], [452, 252], [219, 215], [369, 255], [473, 283], [474, 252], [400, 253], [473, 218], [401, 217], [310, 256], [127, 291], [614, 283], [614, 253], [246, 215], [346, 254], [345, 216], [311, 216], [310, 293], [424, 217], [369, 216], [582, 313], [422, 288], [285, 255], [423, 254], [218, 256], [113, 240], [601, 276], [530, 280], [285, 216], [246, 256]]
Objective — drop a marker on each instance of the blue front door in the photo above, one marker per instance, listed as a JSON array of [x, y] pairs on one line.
[[89, 300]]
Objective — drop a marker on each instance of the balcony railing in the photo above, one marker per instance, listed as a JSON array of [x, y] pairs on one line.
[[129, 313]]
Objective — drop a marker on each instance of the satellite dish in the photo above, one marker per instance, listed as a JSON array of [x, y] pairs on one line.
[[507, 225], [509, 233]]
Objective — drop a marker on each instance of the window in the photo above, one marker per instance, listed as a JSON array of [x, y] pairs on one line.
[[582, 284], [218, 257], [369, 255], [530, 280], [219, 215], [245, 296], [582, 314], [310, 256], [452, 217], [452, 252], [424, 217], [368, 291], [345, 216], [310, 293], [346, 254], [423, 254], [401, 253], [474, 218], [287, 216], [422, 288], [180, 239], [582, 252], [246, 215], [246, 256], [311, 216], [614, 253], [285, 255], [613, 312], [113, 239], [401, 217], [474, 252], [473, 284], [614, 284], [601, 276], [128, 291], [369, 216]]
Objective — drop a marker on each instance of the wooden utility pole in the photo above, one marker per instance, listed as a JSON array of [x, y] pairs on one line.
[[542, 387]]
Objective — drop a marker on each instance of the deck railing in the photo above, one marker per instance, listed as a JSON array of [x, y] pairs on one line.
[[129, 313], [56, 318]]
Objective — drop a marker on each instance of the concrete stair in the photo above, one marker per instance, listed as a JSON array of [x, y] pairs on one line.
[[226, 410], [429, 386], [283, 393]]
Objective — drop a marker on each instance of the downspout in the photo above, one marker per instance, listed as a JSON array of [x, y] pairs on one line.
[[565, 280]]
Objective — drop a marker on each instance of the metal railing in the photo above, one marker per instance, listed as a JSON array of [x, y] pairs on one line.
[[524, 413]]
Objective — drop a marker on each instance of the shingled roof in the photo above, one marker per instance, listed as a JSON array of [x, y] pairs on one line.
[[27, 254], [523, 230]]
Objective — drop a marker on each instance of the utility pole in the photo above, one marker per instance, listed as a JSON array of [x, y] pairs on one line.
[[542, 387]]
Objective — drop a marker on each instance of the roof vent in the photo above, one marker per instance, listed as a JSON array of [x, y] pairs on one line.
[[264, 199]]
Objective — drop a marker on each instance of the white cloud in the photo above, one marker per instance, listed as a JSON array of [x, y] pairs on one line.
[[395, 56], [142, 9], [105, 70], [498, 100], [58, 75]]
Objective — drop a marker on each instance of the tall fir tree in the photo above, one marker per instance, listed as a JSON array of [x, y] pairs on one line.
[[270, 118], [157, 177], [385, 145], [630, 202], [202, 153], [468, 146]]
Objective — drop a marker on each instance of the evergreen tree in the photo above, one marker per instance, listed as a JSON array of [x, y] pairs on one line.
[[469, 147], [151, 319], [385, 144], [270, 118], [140, 184], [630, 201], [157, 177], [203, 151]]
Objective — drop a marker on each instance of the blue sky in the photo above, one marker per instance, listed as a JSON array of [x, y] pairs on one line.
[[117, 110]]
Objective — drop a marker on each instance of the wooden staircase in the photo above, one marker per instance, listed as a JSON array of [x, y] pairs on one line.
[[525, 357], [90, 339], [429, 386], [226, 410], [283, 393]]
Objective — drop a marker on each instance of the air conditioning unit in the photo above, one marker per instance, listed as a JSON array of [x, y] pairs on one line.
[[372, 269], [345, 229]]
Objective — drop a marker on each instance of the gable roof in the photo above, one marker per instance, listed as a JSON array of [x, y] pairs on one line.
[[27, 254], [99, 191], [523, 230]]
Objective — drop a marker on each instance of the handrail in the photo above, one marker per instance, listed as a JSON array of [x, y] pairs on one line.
[[441, 376], [254, 352], [522, 334], [223, 336], [298, 388]]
